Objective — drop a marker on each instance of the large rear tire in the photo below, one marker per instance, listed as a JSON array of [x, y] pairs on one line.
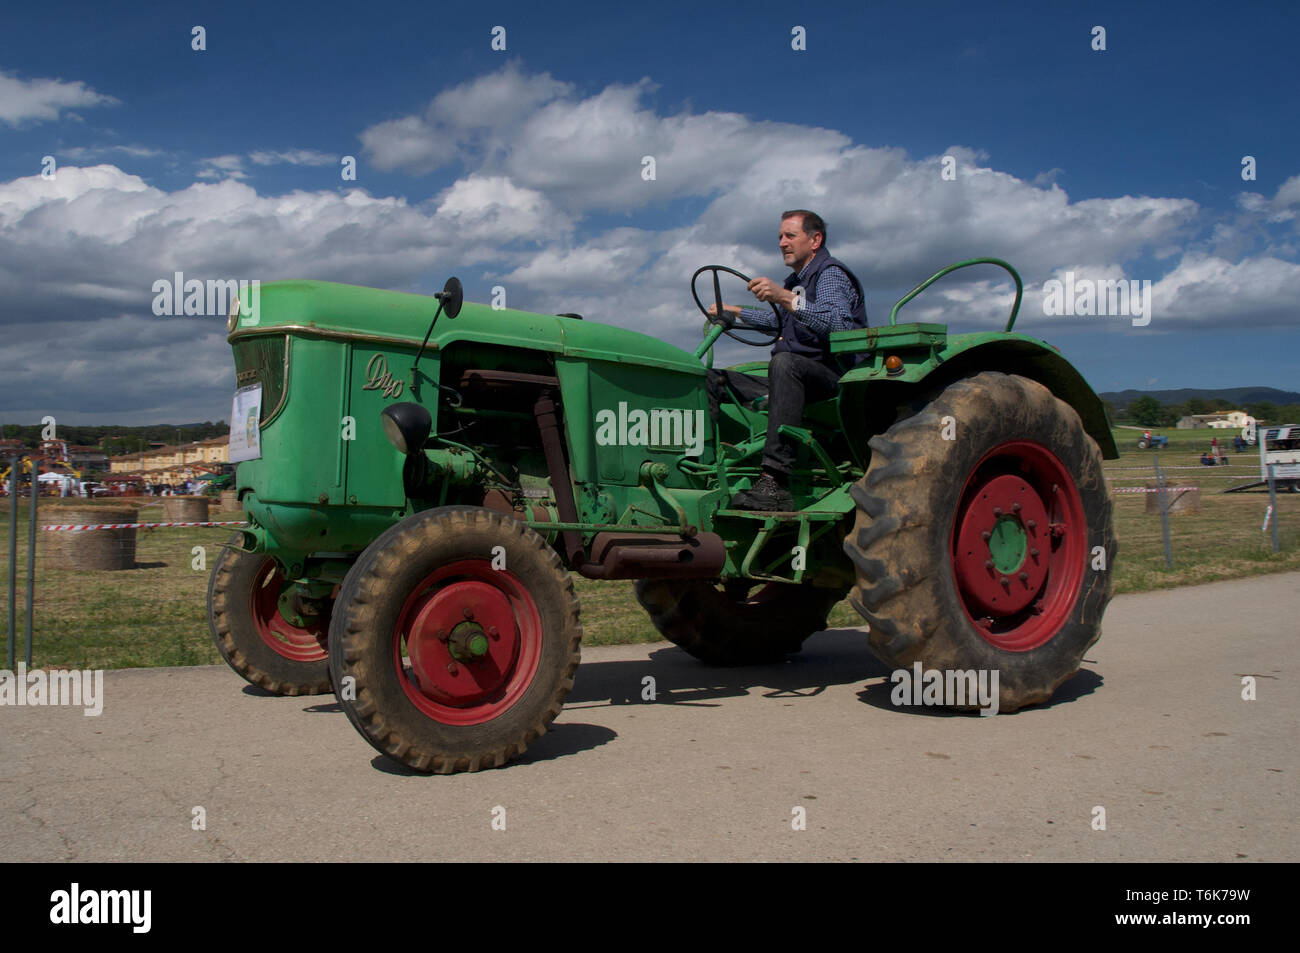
[[992, 550], [720, 625]]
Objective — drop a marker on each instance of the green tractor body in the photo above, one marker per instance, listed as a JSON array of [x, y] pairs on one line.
[[486, 453]]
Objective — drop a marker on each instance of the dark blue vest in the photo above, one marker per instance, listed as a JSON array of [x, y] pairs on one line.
[[798, 337]]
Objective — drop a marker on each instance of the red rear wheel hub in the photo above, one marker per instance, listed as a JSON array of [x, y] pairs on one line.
[[467, 643], [297, 643], [1019, 546]]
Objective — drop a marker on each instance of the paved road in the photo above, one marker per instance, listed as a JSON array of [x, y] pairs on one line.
[[1154, 730]]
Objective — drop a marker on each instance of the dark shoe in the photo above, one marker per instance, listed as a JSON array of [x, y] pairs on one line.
[[767, 495]]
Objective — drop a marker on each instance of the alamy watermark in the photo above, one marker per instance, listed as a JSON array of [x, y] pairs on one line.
[[1107, 296], [178, 295], [75, 905], [953, 688], [68, 688], [657, 427]]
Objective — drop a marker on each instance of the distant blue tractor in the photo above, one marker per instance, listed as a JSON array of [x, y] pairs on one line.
[[1149, 442]]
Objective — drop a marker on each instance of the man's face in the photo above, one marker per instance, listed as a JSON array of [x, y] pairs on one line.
[[796, 247]]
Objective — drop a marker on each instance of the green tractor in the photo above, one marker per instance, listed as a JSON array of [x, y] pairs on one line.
[[432, 471]]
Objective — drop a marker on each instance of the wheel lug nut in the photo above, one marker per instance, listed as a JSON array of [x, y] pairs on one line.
[[997, 511], [988, 564], [442, 635], [492, 631], [1016, 507], [1006, 581], [467, 612], [452, 668], [1031, 523], [1034, 553], [986, 535], [1024, 576]]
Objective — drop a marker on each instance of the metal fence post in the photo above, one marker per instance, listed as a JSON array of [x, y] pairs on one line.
[[1163, 497], [1272, 503], [15, 468], [31, 565]]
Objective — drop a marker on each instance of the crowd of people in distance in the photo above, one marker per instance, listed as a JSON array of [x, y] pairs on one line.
[[168, 489]]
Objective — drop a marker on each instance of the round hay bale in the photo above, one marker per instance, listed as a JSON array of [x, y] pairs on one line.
[[1180, 501], [185, 509], [89, 549]]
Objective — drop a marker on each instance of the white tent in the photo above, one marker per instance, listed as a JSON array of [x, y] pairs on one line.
[[67, 484]]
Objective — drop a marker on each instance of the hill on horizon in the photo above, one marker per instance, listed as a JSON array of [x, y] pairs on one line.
[[1231, 395]]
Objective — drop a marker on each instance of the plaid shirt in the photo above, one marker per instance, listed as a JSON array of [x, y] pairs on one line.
[[832, 311]]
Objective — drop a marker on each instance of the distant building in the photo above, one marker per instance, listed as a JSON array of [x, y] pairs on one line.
[[171, 464], [1227, 420], [87, 458]]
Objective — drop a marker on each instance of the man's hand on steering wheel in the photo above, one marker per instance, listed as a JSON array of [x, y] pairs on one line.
[[730, 315], [767, 290]]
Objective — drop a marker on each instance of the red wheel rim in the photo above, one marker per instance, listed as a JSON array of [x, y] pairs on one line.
[[472, 640], [297, 643], [1019, 546]]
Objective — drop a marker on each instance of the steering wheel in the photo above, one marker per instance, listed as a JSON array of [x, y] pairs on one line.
[[766, 335]]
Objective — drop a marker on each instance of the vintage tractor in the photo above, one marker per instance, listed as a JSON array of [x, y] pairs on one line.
[[432, 471]]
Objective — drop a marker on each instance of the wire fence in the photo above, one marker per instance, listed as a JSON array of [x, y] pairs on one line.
[[114, 584], [1202, 514], [133, 592]]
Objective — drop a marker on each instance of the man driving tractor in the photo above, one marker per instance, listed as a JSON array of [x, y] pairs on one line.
[[820, 296]]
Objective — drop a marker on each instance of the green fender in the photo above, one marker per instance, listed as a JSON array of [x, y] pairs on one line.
[[870, 396]]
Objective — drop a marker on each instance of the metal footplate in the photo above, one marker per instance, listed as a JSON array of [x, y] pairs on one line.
[[773, 523]]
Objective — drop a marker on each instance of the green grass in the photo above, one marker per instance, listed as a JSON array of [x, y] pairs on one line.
[[156, 613], [1222, 541]]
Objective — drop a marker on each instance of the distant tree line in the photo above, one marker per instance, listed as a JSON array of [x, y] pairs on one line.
[[1146, 411], [115, 440]]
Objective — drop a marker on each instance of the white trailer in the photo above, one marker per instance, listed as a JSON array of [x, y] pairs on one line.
[[1280, 448]]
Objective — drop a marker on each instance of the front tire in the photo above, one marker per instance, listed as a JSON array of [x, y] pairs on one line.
[[992, 551], [247, 624], [455, 640]]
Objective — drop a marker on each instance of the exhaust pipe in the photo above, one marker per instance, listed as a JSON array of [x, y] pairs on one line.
[[655, 556]]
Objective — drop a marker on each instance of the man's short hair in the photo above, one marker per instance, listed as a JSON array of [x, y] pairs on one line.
[[812, 222]]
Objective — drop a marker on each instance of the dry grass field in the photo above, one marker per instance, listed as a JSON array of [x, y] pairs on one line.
[[155, 614]]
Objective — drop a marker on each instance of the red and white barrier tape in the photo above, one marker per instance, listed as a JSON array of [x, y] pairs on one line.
[[1150, 489], [78, 527], [1191, 466]]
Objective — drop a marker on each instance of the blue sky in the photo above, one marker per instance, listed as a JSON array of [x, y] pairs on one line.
[[521, 168]]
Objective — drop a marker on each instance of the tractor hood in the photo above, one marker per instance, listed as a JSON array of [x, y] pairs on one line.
[[350, 312]]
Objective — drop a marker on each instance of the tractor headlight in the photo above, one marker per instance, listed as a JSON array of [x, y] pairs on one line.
[[406, 425]]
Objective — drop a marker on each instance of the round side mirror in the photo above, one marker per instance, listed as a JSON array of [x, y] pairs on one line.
[[452, 297]]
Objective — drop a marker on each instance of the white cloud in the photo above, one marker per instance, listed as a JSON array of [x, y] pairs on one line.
[[222, 167], [606, 269], [1283, 207], [457, 121], [293, 157], [493, 208], [1209, 291], [82, 153], [42, 100]]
